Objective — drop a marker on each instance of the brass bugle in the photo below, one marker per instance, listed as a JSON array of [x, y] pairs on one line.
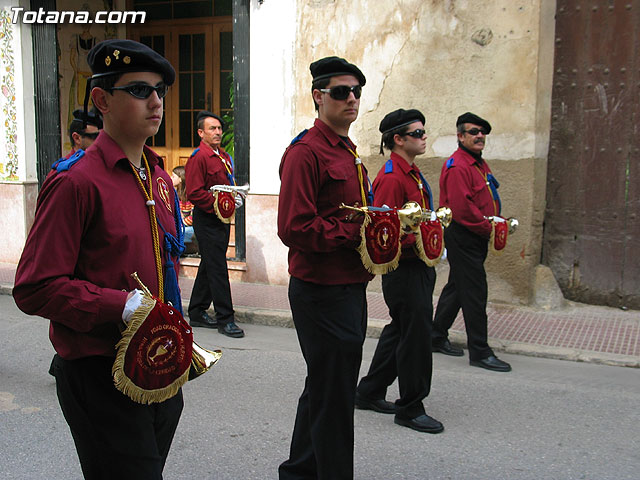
[[202, 360], [511, 221], [242, 191], [412, 215]]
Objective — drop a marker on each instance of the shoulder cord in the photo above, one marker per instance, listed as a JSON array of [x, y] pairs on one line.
[[486, 182], [361, 174], [148, 195]]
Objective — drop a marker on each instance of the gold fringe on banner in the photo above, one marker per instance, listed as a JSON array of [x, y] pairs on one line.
[[217, 209], [124, 383], [375, 268], [422, 255]]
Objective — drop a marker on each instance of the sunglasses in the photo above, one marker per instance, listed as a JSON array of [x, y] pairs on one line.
[[92, 135], [141, 90], [341, 92], [475, 131], [418, 133]]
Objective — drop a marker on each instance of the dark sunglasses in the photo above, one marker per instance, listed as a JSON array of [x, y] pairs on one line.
[[92, 135], [418, 133], [341, 92], [475, 131], [140, 90]]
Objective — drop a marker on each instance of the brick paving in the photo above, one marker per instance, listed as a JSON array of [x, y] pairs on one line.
[[578, 332]]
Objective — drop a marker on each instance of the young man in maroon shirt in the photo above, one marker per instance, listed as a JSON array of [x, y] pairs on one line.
[[319, 171], [93, 229], [404, 347], [468, 187]]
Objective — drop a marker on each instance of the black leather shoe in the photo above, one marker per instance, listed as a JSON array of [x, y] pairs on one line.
[[423, 423], [202, 319], [231, 330], [379, 405], [491, 363], [448, 349]]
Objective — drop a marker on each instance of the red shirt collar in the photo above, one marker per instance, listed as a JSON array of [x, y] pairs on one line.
[[331, 136], [112, 153]]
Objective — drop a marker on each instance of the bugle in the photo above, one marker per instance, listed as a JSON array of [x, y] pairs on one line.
[[242, 191]]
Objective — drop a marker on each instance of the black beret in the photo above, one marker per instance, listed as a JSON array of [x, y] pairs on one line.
[[90, 118], [118, 56], [205, 114], [473, 118], [332, 67], [400, 118]]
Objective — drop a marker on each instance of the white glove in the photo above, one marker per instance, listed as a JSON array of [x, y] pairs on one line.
[[444, 254], [239, 200], [132, 305]]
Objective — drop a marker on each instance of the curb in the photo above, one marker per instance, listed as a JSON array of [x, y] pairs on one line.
[[283, 318]]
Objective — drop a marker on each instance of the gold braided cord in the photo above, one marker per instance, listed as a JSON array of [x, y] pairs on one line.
[[421, 188], [226, 166], [486, 182], [359, 168], [148, 195]]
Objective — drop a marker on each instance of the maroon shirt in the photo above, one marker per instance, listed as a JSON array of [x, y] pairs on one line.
[[91, 232], [464, 189], [394, 186], [318, 174], [203, 170]]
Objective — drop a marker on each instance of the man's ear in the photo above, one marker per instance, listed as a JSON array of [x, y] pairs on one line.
[[100, 100], [76, 138], [317, 96]]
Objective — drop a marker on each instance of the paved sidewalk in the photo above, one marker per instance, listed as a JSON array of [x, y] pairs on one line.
[[578, 332]]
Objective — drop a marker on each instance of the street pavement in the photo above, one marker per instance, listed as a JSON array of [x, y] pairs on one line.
[[547, 419]]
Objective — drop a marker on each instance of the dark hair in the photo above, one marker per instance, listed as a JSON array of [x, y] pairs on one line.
[[182, 187], [202, 118], [317, 85], [387, 138]]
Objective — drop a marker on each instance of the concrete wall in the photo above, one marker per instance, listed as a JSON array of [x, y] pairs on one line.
[[444, 57]]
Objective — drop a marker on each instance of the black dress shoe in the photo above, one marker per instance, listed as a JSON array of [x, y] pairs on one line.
[[202, 319], [423, 423], [491, 363], [379, 405], [231, 330], [448, 349]]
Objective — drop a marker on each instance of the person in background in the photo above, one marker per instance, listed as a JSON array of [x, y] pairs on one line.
[[83, 133], [210, 165], [186, 209], [404, 347], [468, 187]]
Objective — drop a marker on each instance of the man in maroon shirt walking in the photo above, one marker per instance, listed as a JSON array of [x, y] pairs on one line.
[[404, 347], [93, 228], [468, 187], [210, 165], [319, 171]]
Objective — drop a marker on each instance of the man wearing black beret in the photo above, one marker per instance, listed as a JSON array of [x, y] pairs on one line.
[[210, 165], [102, 215], [404, 347], [469, 188], [83, 129], [320, 170]]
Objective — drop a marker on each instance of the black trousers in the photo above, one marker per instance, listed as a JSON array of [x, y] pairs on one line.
[[331, 322], [404, 347], [114, 436], [466, 288], [212, 280]]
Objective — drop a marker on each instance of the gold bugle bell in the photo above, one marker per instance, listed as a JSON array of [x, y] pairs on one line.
[[412, 215], [202, 360], [511, 221]]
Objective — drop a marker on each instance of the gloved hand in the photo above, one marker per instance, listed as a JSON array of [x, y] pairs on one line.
[[239, 201], [134, 300]]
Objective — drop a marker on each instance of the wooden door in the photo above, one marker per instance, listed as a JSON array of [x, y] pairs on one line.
[[201, 54]]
